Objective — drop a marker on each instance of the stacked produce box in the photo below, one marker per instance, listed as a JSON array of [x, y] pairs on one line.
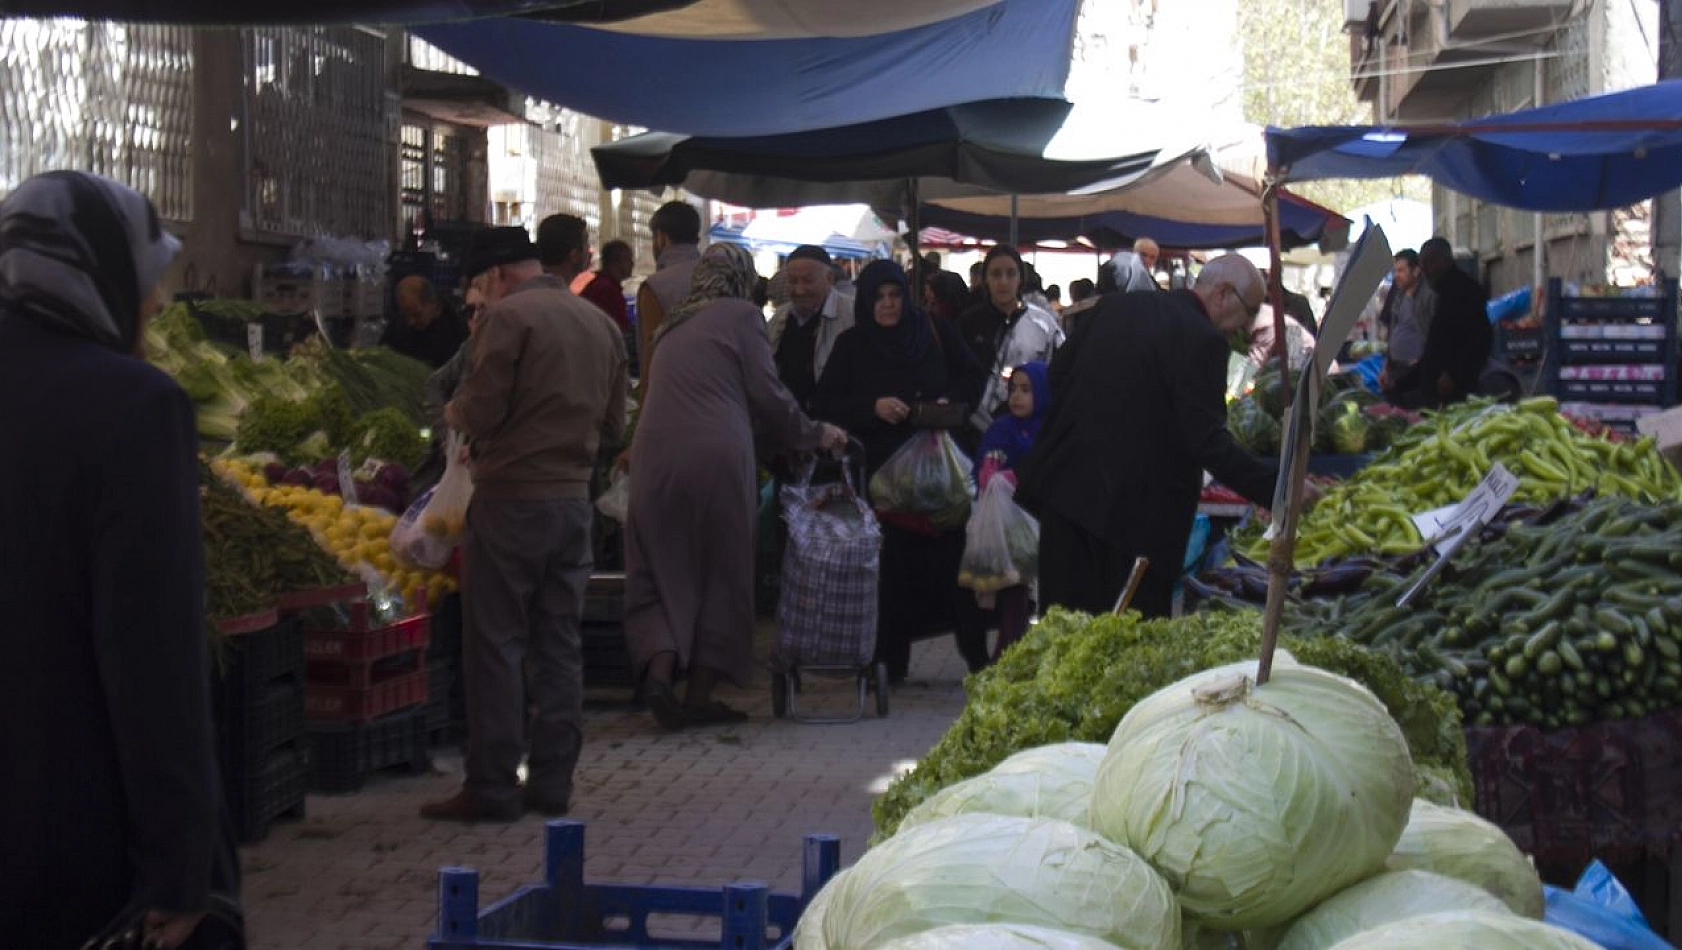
[[1613, 356], [365, 689]]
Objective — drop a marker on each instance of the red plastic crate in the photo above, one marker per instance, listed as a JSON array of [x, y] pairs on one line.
[[362, 703], [321, 597], [361, 674], [358, 643]]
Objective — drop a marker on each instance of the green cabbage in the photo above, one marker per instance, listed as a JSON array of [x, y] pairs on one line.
[[1256, 802], [974, 869], [808, 932], [1381, 899], [1462, 845], [997, 937], [1466, 930], [1053, 781]]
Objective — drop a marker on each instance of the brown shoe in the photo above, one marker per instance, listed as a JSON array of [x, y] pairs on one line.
[[545, 807], [465, 807]]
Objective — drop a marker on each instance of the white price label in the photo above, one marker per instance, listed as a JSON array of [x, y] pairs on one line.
[[254, 340], [347, 479], [1442, 527]]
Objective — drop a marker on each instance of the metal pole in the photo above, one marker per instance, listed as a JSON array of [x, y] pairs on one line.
[[1276, 284], [915, 216], [1013, 227]]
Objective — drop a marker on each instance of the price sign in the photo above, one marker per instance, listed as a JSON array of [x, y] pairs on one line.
[[347, 479], [1443, 527], [1447, 529]]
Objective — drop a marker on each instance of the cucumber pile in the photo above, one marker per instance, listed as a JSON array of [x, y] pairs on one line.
[[1554, 624]]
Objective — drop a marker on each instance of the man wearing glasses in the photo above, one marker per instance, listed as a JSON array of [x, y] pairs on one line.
[[1138, 414]]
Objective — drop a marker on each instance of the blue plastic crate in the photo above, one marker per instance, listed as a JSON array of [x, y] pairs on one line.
[[564, 913]]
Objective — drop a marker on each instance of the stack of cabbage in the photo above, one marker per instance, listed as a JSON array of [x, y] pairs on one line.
[[1222, 814]]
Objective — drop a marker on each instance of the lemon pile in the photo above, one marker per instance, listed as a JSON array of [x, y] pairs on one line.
[[358, 536]]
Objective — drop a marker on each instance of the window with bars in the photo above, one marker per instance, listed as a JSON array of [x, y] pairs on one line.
[[110, 98], [321, 132]]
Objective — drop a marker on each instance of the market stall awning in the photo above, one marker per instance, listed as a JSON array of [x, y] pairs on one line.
[[1209, 200], [1302, 222], [715, 19], [1589, 154], [976, 148], [758, 87]]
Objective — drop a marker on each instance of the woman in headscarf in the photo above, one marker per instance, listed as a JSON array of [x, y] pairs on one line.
[[715, 396], [893, 358], [112, 810]]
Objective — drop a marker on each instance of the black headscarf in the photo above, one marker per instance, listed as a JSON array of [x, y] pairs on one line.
[[79, 253], [905, 342]]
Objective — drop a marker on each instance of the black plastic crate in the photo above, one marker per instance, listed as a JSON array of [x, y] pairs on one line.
[[443, 695], [343, 754], [1587, 350], [250, 661], [446, 629], [250, 731], [271, 791], [606, 661]]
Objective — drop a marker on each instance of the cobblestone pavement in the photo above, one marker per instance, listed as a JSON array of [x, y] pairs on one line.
[[706, 807]]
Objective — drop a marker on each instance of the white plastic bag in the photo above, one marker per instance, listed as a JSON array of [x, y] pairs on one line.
[[928, 475], [1001, 542], [615, 503], [446, 515], [412, 545]]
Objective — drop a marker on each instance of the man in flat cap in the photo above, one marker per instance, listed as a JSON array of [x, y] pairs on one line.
[[803, 331], [545, 389]]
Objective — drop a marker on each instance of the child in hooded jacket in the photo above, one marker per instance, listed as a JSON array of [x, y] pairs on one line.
[[1006, 442]]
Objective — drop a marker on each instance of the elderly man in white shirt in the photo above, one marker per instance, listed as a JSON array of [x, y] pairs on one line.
[[804, 330]]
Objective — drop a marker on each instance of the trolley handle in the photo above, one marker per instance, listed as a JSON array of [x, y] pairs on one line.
[[852, 465]]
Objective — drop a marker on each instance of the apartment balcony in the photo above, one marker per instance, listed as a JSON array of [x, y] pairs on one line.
[[1505, 22]]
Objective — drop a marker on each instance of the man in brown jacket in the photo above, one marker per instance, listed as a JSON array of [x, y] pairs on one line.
[[545, 390]]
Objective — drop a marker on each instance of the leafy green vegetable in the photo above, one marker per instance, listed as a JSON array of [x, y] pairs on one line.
[[1382, 899], [977, 869], [388, 435], [1053, 781], [1462, 845], [1073, 677], [1256, 802], [1481, 929]]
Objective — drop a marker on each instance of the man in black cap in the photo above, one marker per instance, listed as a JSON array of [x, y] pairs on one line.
[[545, 390], [803, 331]]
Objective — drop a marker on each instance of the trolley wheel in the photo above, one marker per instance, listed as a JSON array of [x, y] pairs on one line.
[[882, 690], [779, 694]]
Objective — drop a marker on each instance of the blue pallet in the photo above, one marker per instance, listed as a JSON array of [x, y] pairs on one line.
[[564, 913]]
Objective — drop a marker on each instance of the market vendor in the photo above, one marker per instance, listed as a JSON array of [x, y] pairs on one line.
[[1138, 413], [425, 328], [1460, 339]]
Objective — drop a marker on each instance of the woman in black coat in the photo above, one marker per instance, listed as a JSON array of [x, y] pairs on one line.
[[895, 357], [110, 808]]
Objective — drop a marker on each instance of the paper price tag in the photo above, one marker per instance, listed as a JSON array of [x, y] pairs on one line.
[[1444, 526], [347, 479], [254, 340]]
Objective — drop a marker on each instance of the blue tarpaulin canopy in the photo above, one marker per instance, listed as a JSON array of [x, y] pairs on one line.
[[743, 87], [1589, 154]]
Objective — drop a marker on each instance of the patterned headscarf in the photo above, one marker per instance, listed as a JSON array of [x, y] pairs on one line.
[[724, 272], [79, 253]]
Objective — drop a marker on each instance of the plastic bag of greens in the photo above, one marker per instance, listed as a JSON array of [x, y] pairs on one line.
[[929, 476], [1001, 542]]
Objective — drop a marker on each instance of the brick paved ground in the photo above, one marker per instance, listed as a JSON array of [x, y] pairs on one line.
[[704, 807]]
